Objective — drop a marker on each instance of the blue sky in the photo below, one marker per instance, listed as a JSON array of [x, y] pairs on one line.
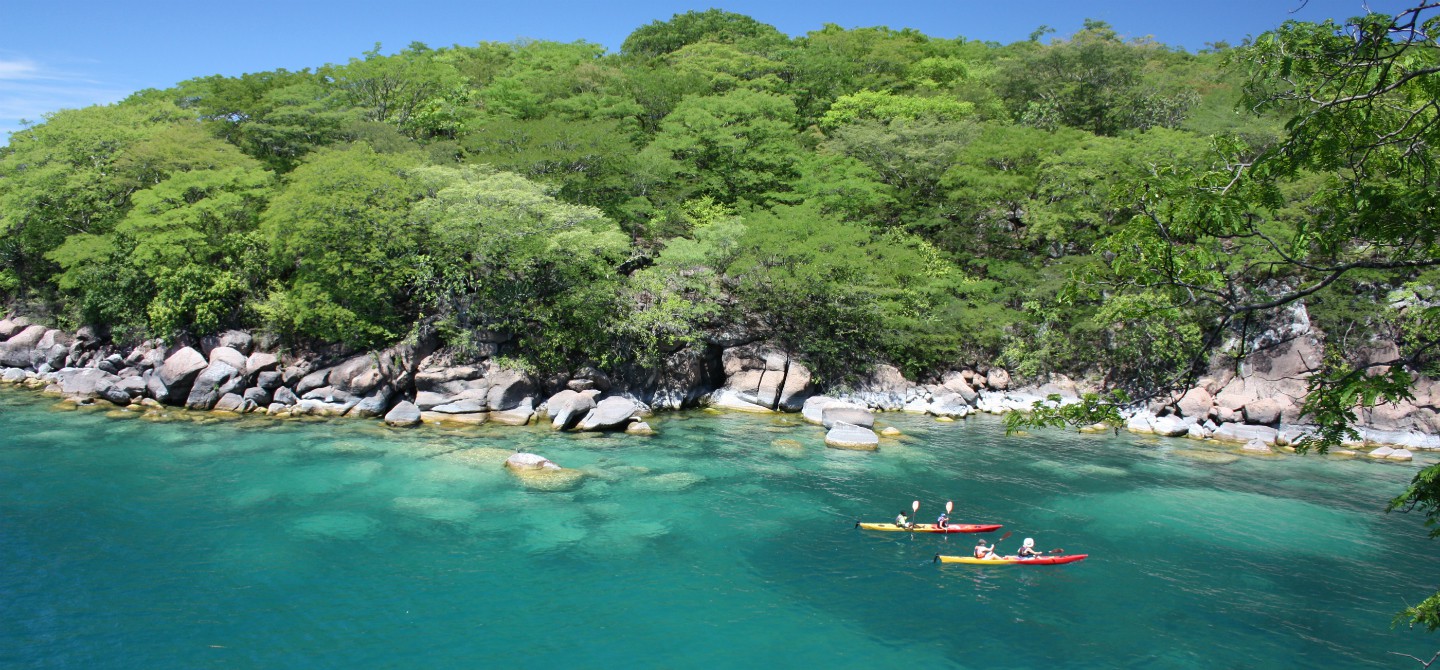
[[74, 53]]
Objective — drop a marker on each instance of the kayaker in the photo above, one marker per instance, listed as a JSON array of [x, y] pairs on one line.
[[942, 520], [903, 521], [983, 550], [1027, 549]]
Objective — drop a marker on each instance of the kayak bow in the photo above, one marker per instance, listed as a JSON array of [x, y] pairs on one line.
[[930, 527], [1012, 560]]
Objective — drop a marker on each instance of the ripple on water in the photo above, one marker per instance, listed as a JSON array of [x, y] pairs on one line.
[[623, 537], [452, 510], [1079, 470], [1216, 517], [669, 481], [335, 526]]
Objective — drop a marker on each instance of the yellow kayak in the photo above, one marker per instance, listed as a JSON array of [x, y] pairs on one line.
[[930, 527]]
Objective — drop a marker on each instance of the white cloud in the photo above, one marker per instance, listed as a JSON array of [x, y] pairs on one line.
[[18, 69], [30, 90]]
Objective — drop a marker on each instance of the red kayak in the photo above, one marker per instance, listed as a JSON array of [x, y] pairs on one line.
[[1013, 560], [930, 527]]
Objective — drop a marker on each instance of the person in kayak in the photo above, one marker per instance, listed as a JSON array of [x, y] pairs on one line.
[[942, 521], [983, 550], [1027, 549], [903, 521]]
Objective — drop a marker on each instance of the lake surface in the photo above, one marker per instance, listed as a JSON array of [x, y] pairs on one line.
[[726, 541]]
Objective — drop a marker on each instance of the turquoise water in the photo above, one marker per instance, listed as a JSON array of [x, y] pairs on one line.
[[126, 543]]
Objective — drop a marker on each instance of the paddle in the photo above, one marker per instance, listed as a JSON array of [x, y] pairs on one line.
[[1056, 551], [949, 507], [914, 510], [996, 543]]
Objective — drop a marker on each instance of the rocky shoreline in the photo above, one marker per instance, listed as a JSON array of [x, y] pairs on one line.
[[413, 384]]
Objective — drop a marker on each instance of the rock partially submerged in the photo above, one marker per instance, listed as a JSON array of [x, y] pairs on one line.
[[850, 436], [541, 474], [404, 414], [611, 414]]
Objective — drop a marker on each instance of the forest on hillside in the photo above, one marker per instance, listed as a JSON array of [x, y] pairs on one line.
[[1080, 204]]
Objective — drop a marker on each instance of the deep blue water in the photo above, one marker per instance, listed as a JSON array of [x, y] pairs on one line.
[[129, 543]]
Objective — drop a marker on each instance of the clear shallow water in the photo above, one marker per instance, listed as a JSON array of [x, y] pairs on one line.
[[131, 544]]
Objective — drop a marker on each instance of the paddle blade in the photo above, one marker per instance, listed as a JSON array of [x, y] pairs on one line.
[[915, 506], [949, 506], [1056, 551], [1007, 534]]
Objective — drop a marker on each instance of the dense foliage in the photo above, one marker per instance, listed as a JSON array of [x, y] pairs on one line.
[[858, 196]]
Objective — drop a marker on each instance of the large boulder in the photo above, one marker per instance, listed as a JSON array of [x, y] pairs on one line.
[[1195, 403], [89, 337], [851, 415], [112, 364], [427, 400], [1242, 433], [567, 408], [317, 407], [456, 419], [360, 375], [19, 350], [610, 414], [284, 396], [231, 402], [329, 394], [230, 357], [8, 327], [133, 385], [312, 381], [541, 474], [760, 376], [262, 362], [259, 396], [524, 461], [956, 383], [814, 408], [268, 380], [206, 390], [508, 388], [518, 415], [850, 436], [1264, 412], [684, 377], [403, 414], [997, 379], [157, 389], [590, 377], [84, 382], [1140, 423], [113, 393], [237, 340], [1171, 425], [53, 349], [460, 407], [437, 378], [796, 388], [181, 368], [952, 405], [741, 392], [374, 404]]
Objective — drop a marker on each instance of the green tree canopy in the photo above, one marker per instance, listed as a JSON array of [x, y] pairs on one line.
[[347, 247], [712, 25]]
